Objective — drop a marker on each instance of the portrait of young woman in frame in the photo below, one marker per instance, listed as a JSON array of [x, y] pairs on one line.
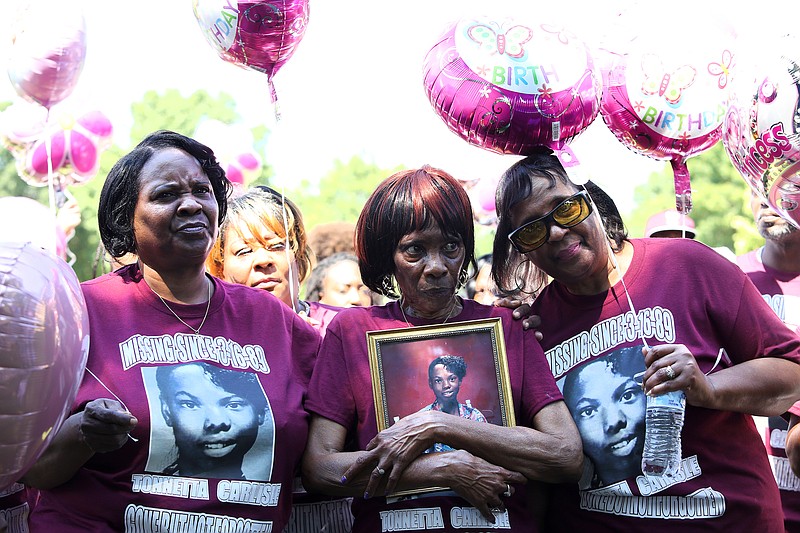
[[458, 368]]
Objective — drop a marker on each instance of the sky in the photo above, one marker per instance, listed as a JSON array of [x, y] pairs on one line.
[[354, 85]]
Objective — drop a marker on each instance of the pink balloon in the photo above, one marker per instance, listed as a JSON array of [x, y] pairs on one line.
[[21, 124], [510, 87], [761, 131], [44, 342], [74, 150], [259, 35], [668, 103], [48, 52]]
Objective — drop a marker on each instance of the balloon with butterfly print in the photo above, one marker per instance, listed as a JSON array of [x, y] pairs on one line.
[[667, 100], [512, 86]]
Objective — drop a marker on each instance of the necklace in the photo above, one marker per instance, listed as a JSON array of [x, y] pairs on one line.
[[449, 314], [208, 306]]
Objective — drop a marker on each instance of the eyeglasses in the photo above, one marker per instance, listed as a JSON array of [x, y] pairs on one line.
[[567, 214]]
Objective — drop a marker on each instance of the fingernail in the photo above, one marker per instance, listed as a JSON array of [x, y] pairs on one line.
[[344, 480]]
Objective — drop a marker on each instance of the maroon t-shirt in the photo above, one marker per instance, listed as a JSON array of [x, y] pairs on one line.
[[781, 290], [15, 506], [682, 292], [341, 390], [257, 350]]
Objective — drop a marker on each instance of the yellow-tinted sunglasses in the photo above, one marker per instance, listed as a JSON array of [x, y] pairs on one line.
[[571, 212]]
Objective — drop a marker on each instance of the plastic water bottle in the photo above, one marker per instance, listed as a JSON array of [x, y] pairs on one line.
[[662, 440]]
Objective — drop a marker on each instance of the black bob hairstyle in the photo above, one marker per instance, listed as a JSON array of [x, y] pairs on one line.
[[121, 188]]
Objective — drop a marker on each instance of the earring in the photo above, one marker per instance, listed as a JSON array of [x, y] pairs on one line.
[[522, 274], [463, 278], [387, 287]]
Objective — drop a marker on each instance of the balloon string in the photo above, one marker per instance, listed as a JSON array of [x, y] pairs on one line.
[[615, 266], [49, 154], [685, 203], [288, 250], [273, 94], [134, 439]]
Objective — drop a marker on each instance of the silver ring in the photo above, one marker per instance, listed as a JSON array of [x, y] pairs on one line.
[[507, 493], [380, 470], [670, 372]]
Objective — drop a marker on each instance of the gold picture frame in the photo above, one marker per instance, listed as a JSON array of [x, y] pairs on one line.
[[399, 361]]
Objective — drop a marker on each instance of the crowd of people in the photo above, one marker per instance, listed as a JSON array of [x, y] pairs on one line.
[[231, 384]]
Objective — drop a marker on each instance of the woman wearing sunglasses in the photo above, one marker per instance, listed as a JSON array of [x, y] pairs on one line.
[[702, 328]]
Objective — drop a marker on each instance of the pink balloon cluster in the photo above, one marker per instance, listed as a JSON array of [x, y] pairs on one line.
[[48, 51], [512, 86], [44, 342], [66, 148], [259, 34], [761, 131]]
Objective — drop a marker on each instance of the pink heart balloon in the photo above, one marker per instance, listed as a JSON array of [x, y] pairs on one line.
[[761, 131], [44, 342], [260, 34], [48, 52], [512, 86]]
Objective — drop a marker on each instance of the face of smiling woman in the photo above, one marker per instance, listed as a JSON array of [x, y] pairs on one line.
[[213, 427]]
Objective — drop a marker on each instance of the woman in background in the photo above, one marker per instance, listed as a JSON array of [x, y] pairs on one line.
[[262, 244], [336, 281]]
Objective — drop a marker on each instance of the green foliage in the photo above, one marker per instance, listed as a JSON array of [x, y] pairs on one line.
[[484, 239], [175, 112], [720, 202], [340, 194], [155, 111]]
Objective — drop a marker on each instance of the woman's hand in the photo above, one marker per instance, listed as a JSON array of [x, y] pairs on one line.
[[522, 311], [672, 367], [394, 448], [105, 425], [481, 483]]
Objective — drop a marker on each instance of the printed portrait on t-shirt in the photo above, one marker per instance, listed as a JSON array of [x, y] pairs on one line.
[[606, 400], [209, 422]]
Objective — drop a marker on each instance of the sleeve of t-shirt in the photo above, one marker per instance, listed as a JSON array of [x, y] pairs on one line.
[[329, 393], [306, 344], [758, 332], [795, 409], [539, 386]]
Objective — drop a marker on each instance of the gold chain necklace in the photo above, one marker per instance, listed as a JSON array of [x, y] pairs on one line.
[[449, 314], [208, 306]]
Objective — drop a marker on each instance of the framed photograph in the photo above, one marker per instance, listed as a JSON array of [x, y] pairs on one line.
[[458, 368]]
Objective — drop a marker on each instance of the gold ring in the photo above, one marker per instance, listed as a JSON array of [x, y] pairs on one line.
[[380, 470], [507, 493], [670, 372]]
